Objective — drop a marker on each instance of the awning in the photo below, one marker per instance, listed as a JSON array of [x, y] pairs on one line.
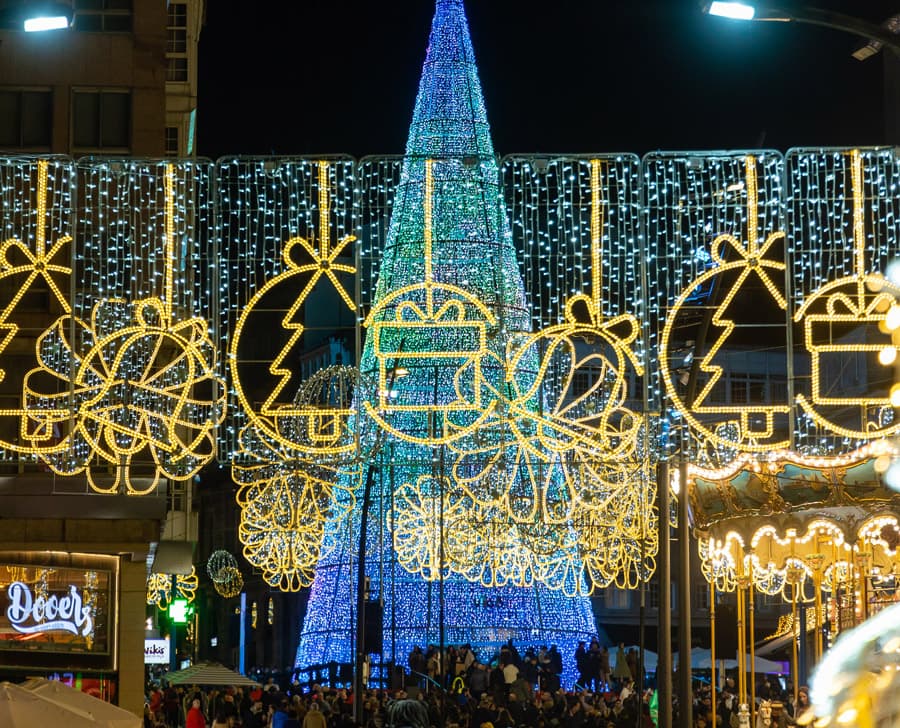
[[207, 673]]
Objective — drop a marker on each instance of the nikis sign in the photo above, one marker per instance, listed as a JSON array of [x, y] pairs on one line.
[[64, 605]]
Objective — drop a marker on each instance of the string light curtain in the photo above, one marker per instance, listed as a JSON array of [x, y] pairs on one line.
[[129, 387]]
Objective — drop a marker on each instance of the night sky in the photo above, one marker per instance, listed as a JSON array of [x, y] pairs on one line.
[[566, 76]]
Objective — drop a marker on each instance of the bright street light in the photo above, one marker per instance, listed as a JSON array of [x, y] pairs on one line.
[[46, 22], [35, 15], [813, 16], [735, 11]]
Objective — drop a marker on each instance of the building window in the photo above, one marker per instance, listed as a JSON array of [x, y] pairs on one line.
[[701, 595], [177, 69], [171, 141], [176, 43], [614, 598], [177, 495], [25, 118], [101, 120], [177, 40], [103, 16], [653, 594]]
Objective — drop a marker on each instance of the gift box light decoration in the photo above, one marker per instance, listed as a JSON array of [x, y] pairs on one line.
[[136, 386], [841, 325]]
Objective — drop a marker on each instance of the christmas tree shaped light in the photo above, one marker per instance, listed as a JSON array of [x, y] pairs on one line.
[[449, 301]]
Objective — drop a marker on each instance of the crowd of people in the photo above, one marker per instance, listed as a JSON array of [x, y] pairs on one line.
[[456, 689]]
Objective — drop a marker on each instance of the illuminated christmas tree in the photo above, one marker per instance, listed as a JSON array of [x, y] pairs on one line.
[[449, 301]]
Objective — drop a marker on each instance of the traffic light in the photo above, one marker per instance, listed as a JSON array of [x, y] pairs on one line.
[[181, 611]]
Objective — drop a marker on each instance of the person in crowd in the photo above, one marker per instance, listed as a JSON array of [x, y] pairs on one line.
[[478, 680], [581, 664], [314, 717], [510, 675], [594, 657], [195, 717], [621, 671], [408, 714]]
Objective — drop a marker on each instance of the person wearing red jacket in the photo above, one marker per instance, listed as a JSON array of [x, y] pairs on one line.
[[195, 717]]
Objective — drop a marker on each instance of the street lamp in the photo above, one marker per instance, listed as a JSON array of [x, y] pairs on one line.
[[33, 16], [805, 14]]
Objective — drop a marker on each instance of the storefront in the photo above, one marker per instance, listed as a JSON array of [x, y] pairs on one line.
[[59, 618]]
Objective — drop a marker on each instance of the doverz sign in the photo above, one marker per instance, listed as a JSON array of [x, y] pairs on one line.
[[47, 614]]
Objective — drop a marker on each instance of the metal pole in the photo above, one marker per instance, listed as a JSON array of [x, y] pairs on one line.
[[361, 599], [685, 694], [712, 647], [752, 644], [664, 574]]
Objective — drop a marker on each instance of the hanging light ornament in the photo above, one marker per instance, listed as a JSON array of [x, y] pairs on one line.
[[217, 562], [230, 582], [163, 588]]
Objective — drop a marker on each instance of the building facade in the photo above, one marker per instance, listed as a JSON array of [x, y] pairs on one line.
[[122, 80]]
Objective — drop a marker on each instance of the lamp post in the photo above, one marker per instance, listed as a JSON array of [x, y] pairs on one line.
[[876, 36], [804, 14]]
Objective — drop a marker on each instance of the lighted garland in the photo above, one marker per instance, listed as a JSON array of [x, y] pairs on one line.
[[854, 300], [757, 427], [284, 509], [303, 424], [163, 588], [785, 562]]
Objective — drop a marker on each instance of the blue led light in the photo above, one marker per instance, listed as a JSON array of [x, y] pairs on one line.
[[473, 250]]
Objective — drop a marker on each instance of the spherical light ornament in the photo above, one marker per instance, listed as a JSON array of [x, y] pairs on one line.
[[218, 562], [230, 582], [328, 422]]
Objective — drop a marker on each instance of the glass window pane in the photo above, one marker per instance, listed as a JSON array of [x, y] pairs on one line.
[[172, 140], [177, 70], [36, 118], [116, 120], [88, 23], [10, 114], [89, 4], [177, 15], [117, 23], [177, 41], [86, 120], [118, 4]]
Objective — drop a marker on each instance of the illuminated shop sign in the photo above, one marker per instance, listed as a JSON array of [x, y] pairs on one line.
[[64, 605], [30, 615], [156, 652]]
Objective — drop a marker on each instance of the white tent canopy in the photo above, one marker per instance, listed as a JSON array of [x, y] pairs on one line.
[[701, 659], [21, 708], [106, 714]]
